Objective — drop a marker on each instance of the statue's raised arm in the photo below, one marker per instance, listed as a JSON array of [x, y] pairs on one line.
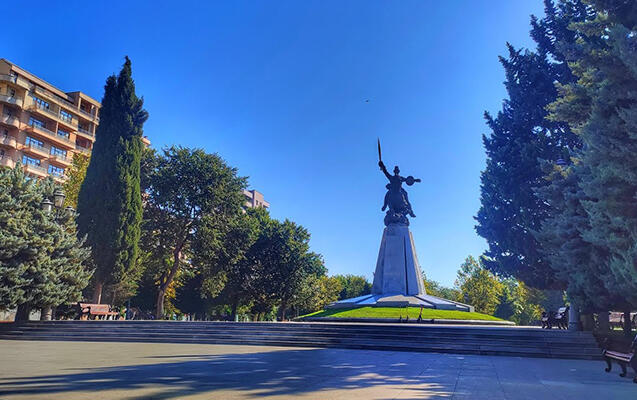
[[384, 169]]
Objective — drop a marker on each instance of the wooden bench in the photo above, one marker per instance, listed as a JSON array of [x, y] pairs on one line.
[[96, 311], [622, 358]]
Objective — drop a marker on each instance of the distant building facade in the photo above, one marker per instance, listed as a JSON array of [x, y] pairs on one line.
[[41, 126], [255, 199]]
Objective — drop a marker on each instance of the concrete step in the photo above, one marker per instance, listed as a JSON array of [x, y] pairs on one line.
[[459, 339]]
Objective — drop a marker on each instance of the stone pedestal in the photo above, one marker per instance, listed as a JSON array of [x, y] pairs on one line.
[[398, 279], [397, 268]]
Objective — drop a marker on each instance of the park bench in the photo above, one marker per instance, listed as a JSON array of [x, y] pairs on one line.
[[96, 311], [558, 318], [622, 358]]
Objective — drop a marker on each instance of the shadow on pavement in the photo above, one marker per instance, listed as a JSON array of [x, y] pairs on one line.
[[281, 372]]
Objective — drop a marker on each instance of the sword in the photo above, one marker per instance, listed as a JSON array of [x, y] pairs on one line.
[[380, 159]]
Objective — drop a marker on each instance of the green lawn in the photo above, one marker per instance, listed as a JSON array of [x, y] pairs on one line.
[[395, 312]]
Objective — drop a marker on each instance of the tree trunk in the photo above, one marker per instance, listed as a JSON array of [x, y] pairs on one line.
[[627, 323], [235, 305], [283, 307], [97, 292], [603, 322], [167, 280], [46, 313], [159, 304], [22, 314]]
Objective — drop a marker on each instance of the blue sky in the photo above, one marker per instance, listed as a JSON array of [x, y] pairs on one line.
[[278, 89]]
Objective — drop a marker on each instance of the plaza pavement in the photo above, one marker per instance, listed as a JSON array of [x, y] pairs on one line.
[[87, 370]]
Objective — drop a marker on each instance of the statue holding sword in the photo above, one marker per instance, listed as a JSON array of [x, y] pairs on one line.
[[396, 199]]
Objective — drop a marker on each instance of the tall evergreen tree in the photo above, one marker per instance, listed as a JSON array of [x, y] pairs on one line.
[[602, 107], [42, 262], [582, 265], [521, 136], [109, 202]]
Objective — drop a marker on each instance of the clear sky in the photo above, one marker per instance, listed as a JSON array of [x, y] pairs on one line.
[[279, 90]]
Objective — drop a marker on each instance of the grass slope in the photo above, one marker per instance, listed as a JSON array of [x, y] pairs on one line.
[[396, 312]]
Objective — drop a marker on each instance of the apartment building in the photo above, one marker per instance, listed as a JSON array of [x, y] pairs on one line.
[[40, 125], [255, 199]]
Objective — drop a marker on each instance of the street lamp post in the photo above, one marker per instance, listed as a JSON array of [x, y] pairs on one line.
[[47, 206]]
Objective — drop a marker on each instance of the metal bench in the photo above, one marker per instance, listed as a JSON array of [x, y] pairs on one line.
[[622, 358], [558, 318]]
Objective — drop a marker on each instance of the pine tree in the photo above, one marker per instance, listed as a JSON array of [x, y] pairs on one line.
[[580, 264], [109, 202], [42, 262], [521, 136], [602, 107]]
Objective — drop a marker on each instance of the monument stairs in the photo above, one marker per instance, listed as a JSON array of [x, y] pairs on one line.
[[506, 341]]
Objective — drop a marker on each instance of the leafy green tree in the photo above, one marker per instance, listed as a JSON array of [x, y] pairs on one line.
[[434, 288], [601, 106], [353, 286], [521, 136], [315, 293], [42, 262], [191, 197], [478, 286], [109, 202], [75, 175], [519, 303], [226, 267]]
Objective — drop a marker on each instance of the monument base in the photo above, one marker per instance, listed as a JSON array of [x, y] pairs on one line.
[[398, 279], [401, 300]]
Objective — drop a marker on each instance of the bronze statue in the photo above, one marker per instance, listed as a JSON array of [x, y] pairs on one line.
[[396, 198]]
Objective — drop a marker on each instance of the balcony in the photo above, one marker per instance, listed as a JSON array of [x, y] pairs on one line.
[[55, 98], [42, 131], [36, 149], [35, 169], [6, 98], [16, 80], [83, 150], [60, 159], [59, 178], [47, 112], [10, 120], [88, 115], [9, 141], [85, 132], [6, 161]]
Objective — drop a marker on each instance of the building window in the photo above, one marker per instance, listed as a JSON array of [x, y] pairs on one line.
[[11, 91], [33, 142], [30, 160], [58, 152], [65, 116], [8, 111], [40, 103], [63, 133], [57, 171], [37, 123]]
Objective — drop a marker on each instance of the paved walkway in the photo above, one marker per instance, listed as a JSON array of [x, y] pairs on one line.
[[82, 370]]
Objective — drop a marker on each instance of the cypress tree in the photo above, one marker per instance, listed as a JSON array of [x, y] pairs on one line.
[[521, 136], [109, 202]]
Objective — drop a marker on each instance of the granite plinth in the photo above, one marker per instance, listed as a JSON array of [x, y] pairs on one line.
[[398, 279]]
